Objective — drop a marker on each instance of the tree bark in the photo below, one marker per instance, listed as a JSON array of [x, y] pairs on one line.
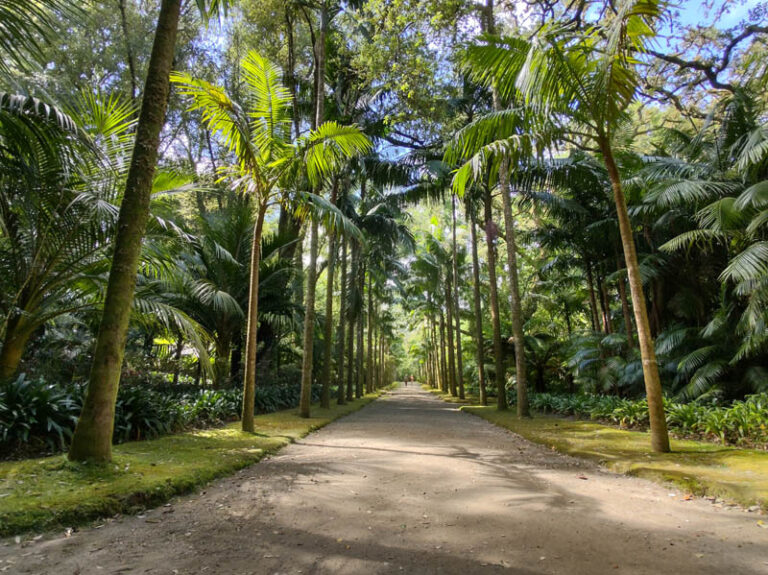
[[177, 359], [478, 309], [359, 385], [13, 349], [490, 238], [605, 309], [309, 324], [457, 311], [443, 363], [369, 371], [341, 330], [252, 328], [592, 299], [128, 50], [351, 365], [449, 333], [521, 369], [653, 391], [325, 398], [93, 435]]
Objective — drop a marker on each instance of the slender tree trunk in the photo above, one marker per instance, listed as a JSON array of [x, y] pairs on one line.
[[252, 328], [490, 27], [443, 362], [360, 382], [480, 358], [325, 398], [490, 238], [449, 333], [309, 324], [311, 283], [622, 286], [653, 391], [128, 50], [177, 359], [351, 365], [342, 313], [592, 299], [521, 369], [457, 310], [604, 305], [369, 364], [93, 435]]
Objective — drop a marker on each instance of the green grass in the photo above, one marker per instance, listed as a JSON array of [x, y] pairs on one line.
[[739, 475], [50, 492]]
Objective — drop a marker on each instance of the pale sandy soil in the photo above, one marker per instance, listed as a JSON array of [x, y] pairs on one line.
[[411, 485]]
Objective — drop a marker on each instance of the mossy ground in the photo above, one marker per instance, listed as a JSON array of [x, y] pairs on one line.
[[50, 492], [739, 475]]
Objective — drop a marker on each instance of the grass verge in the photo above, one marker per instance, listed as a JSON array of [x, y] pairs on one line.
[[739, 475], [50, 492]]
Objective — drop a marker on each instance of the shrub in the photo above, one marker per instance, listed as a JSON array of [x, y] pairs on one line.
[[741, 422], [37, 414], [33, 410]]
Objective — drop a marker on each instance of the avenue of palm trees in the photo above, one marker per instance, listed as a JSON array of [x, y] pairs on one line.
[[296, 201]]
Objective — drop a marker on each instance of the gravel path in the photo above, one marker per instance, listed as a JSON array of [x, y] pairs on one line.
[[410, 484]]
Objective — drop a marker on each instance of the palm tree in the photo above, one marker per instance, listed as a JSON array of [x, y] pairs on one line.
[[59, 192], [588, 76], [92, 438], [266, 156]]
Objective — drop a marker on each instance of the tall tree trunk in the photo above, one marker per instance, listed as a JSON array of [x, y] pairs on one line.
[[128, 50], [311, 283], [592, 299], [351, 365], [341, 330], [252, 328], [359, 385], [622, 286], [309, 324], [605, 309], [456, 310], [521, 370], [325, 398], [443, 363], [177, 359], [480, 357], [93, 435], [521, 375], [369, 371], [449, 333], [490, 239], [653, 391]]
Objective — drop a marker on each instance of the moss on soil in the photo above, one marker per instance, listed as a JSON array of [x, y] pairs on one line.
[[50, 492]]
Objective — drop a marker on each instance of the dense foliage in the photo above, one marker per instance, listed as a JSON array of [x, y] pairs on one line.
[[494, 200], [38, 416]]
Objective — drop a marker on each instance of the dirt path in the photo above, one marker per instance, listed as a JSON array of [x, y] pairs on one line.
[[411, 485]]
